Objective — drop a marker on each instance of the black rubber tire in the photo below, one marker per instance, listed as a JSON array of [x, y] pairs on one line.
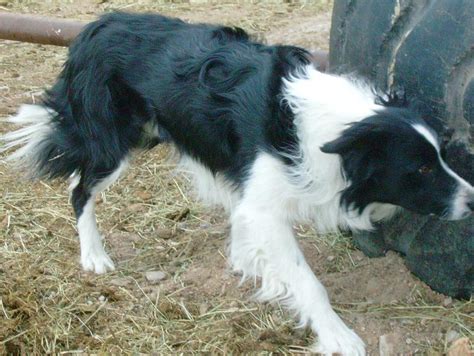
[[425, 47]]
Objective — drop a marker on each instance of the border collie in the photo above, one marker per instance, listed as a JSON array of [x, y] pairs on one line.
[[266, 135]]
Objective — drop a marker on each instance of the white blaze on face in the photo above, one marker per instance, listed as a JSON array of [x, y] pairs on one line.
[[463, 197]]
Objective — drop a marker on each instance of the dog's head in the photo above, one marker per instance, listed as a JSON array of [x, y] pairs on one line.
[[395, 157]]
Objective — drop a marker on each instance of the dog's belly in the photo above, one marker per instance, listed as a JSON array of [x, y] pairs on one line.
[[212, 189]]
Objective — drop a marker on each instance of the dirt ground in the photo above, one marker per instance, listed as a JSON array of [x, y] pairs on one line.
[[152, 223]]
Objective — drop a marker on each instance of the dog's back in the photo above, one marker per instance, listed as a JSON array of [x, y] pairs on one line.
[[133, 80]]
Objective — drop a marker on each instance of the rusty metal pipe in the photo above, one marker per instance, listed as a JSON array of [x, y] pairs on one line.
[[38, 29], [60, 32]]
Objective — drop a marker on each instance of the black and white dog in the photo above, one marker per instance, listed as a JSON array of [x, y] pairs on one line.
[[266, 135]]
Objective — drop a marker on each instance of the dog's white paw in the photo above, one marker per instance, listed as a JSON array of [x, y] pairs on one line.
[[96, 260], [339, 340]]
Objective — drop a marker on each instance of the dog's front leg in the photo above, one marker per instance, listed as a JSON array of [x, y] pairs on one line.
[[263, 245]]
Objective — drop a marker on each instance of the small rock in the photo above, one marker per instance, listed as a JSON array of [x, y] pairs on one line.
[[331, 258], [267, 346], [120, 282], [5, 222], [164, 233], [460, 347], [155, 276], [452, 335], [203, 308], [144, 195], [101, 299], [389, 344], [183, 226], [447, 302], [136, 207], [409, 341], [17, 236]]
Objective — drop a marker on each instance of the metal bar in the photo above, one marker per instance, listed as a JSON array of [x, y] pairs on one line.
[[38, 29], [60, 32]]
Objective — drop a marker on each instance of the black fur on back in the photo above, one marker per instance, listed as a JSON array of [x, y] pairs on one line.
[[210, 89]]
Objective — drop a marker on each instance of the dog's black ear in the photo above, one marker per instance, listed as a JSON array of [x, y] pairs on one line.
[[358, 136], [339, 145], [348, 140]]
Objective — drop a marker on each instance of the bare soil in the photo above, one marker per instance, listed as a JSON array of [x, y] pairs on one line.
[[151, 222]]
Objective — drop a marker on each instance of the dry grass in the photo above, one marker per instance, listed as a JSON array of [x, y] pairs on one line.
[[47, 305]]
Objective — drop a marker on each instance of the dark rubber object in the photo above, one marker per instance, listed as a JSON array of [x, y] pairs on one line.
[[425, 47]]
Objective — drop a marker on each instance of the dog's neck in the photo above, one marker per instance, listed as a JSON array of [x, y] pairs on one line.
[[323, 106]]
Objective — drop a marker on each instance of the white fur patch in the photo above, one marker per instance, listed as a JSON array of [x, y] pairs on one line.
[[459, 208], [213, 189], [93, 256], [74, 180], [37, 124], [111, 178], [463, 196], [428, 135]]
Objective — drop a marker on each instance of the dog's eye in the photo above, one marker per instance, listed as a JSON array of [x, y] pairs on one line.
[[425, 169]]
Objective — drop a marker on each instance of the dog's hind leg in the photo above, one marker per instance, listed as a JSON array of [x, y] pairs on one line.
[[84, 191], [263, 245]]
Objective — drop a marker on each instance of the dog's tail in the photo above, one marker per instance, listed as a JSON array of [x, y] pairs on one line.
[[41, 148], [90, 119]]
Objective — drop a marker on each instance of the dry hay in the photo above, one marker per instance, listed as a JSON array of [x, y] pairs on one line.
[[47, 305]]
